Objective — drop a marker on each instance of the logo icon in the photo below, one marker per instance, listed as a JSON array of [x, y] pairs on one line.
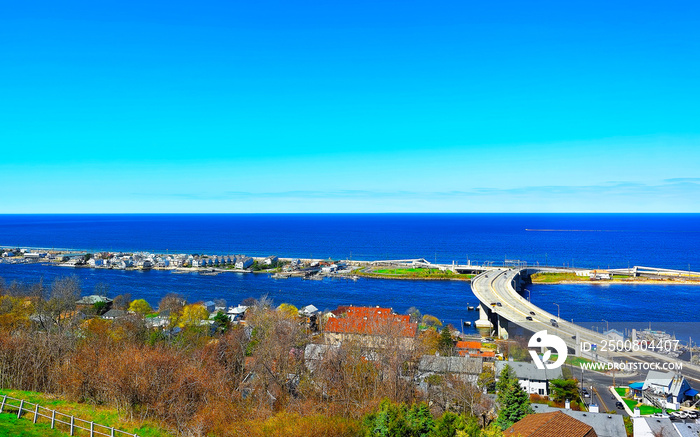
[[542, 339]]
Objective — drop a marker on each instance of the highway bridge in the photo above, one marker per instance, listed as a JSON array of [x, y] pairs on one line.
[[504, 312]]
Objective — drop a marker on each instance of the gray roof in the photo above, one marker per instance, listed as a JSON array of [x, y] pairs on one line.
[[661, 426], [437, 364], [113, 314], [93, 299], [605, 425], [687, 429], [529, 371]]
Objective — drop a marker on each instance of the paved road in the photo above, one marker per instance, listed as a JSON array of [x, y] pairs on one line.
[[495, 286]]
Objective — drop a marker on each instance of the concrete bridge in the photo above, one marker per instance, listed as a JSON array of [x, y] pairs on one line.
[[504, 312], [511, 318]]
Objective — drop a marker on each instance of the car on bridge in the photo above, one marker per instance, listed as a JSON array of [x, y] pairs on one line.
[[528, 318], [532, 313], [554, 323]]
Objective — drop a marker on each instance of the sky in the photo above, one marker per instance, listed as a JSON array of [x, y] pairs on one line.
[[349, 106]]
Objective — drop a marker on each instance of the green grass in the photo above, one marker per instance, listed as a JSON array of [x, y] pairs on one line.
[[621, 391], [572, 360], [419, 273], [643, 409], [10, 425], [557, 277], [98, 414]]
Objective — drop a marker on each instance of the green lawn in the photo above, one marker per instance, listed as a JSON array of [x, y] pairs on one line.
[[557, 277], [643, 409], [621, 391], [419, 273], [98, 414], [10, 425]]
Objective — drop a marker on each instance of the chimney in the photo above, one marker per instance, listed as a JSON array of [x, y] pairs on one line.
[[567, 405]]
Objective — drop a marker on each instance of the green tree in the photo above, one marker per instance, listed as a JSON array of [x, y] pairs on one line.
[[445, 343], [221, 322], [450, 423], [513, 401], [563, 389], [487, 380], [140, 306]]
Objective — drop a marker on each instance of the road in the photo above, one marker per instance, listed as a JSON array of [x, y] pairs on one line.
[[495, 287]]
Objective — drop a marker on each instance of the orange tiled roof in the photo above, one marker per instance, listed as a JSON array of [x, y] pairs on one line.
[[555, 424], [370, 321], [468, 345]]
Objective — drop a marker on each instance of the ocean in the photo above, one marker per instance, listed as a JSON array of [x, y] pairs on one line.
[[580, 240]]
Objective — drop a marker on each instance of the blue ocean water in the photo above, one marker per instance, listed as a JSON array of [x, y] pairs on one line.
[[591, 240], [582, 240]]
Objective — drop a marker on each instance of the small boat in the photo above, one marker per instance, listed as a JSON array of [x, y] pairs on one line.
[[470, 308], [467, 323]]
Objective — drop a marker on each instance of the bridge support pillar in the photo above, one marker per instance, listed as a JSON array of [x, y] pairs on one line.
[[502, 330], [484, 323]]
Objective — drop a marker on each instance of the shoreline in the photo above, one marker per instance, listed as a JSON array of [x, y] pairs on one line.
[[625, 282]]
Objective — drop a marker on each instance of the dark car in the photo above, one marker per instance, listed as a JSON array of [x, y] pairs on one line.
[[554, 323], [619, 405], [532, 313], [498, 304], [528, 318]]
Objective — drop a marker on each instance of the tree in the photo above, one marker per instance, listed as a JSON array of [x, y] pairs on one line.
[[445, 343], [122, 302], [288, 310], [193, 314], [140, 306], [172, 302], [221, 322], [487, 380], [563, 389], [513, 401], [431, 321]]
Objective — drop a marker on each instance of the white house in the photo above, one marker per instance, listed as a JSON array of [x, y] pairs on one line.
[[244, 262], [532, 379]]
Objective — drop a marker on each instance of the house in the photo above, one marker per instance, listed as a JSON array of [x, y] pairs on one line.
[[465, 368], [308, 311], [87, 302], [614, 335], [474, 349], [371, 326], [270, 260], [114, 314], [316, 353], [236, 313], [210, 305], [554, 424], [663, 426], [605, 425], [243, 262], [667, 386], [532, 379]]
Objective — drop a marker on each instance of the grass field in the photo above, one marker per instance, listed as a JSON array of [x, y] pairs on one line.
[[621, 391], [102, 415], [419, 273], [10, 425], [557, 277], [643, 409]]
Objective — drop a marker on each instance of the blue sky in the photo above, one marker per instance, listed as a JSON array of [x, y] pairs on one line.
[[362, 106]]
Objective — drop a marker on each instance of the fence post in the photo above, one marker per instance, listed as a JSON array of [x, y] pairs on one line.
[[72, 422], [92, 429], [4, 399], [21, 405], [53, 418], [36, 412], [111, 432]]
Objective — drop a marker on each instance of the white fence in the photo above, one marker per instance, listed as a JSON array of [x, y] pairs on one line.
[[69, 423]]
